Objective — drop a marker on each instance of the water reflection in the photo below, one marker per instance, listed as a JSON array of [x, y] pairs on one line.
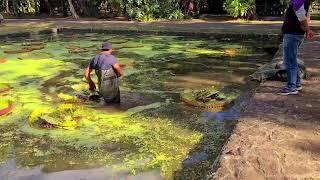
[[10, 171]]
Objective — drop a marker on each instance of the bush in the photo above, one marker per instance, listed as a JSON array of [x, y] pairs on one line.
[[146, 10], [240, 8]]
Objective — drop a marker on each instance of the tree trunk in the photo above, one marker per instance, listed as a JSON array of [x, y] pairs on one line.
[[28, 7], [6, 3], [15, 7], [45, 7], [65, 8], [72, 10]]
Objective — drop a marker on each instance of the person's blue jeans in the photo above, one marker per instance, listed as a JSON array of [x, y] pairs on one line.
[[291, 44]]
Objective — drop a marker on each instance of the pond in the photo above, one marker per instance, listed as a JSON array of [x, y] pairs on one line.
[[152, 134]]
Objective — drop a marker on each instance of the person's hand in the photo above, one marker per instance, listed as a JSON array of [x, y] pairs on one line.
[[92, 86], [309, 34]]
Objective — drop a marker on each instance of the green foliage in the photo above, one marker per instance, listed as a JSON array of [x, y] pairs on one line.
[[142, 10], [240, 8], [285, 3], [146, 10]]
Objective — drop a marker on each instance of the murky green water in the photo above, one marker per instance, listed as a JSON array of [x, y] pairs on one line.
[[149, 135]]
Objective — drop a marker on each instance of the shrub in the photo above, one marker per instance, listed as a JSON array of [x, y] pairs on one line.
[[240, 8]]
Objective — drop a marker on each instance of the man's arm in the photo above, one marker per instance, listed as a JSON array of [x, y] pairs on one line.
[[87, 75], [304, 19], [118, 69]]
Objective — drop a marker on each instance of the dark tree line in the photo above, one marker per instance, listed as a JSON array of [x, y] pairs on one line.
[[143, 10], [135, 9]]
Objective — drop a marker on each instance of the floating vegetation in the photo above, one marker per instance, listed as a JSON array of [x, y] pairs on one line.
[[76, 49], [4, 89], [133, 46], [30, 44], [206, 51], [65, 116], [3, 60], [118, 41], [149, 130], [25, 49], [209, 98], [231, 52]]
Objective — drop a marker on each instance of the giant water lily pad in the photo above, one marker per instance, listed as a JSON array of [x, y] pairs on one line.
[[76, 49], [117, 41], [127, 62], [35, 56], [66, 116], [209, 98], [25, 49]]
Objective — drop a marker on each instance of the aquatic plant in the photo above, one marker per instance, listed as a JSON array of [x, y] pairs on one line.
[[209, 98], [25, 48], [3, 60], [60, 131]]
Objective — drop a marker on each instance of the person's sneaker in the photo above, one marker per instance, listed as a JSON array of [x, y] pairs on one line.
[[299, 88], [286, 92]]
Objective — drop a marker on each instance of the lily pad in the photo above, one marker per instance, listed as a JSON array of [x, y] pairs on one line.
[[117, 41], [209, 98], [25, 49]]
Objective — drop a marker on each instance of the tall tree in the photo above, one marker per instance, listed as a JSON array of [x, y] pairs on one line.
[[15, 7], [72, 10], [6, 3]]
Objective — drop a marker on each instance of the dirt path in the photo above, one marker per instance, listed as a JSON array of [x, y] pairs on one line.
[[278, 137], [238, 27]]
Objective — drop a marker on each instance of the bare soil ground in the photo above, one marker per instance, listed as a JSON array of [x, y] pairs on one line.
[[196, 25], [278, 137]]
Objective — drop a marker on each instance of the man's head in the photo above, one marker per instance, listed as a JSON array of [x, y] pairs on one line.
[[107, 47]]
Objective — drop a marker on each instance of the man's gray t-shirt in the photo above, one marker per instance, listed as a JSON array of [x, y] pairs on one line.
[[102, 62]]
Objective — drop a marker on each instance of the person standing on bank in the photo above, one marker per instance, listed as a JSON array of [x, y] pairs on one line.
[[108, 72], [295, 26]]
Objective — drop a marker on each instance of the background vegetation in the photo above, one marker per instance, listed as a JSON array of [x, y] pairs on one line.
[[134, 9], [145, 10]]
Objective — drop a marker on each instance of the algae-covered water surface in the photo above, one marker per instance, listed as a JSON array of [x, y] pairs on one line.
[[47, 132]]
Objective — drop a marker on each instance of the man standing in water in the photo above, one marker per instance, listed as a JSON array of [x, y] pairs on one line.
[[108, 72], [295, 26]]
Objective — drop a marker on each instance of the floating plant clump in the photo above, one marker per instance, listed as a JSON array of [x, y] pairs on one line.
[[118, 41], [77, 49], [26, 48], [4, 89], [209, 98], [53, 114], [65, 116], [3, 60]]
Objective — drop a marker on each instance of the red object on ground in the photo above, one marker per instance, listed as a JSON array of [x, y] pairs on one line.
[[6, 110]]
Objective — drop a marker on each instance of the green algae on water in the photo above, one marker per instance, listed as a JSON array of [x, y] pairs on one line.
[[153, 135]]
